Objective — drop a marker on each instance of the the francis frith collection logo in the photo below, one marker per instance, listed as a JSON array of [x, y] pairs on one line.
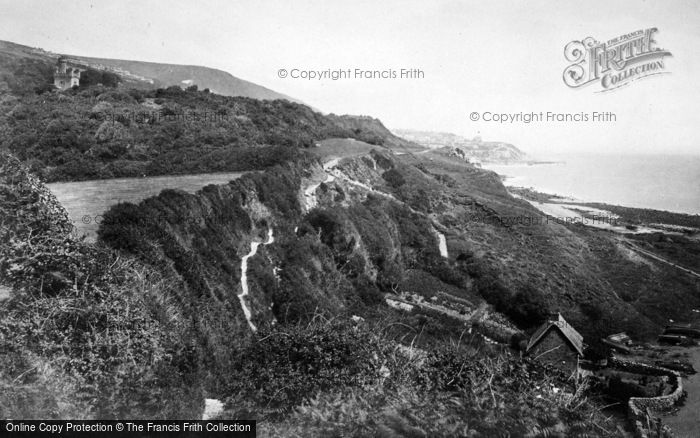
[[614, 63]]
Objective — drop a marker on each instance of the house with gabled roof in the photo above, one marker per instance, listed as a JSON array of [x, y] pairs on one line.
[[556, 342]]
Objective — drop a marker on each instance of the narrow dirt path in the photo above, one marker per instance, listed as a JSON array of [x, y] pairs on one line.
[[442, 245], [244, 277], [212, 408], [650, 254]]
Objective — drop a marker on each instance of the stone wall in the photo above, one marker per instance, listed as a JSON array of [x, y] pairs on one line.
[[641, 409], [494, 330]]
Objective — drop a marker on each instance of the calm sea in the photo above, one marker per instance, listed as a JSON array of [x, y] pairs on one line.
[[659, 182]]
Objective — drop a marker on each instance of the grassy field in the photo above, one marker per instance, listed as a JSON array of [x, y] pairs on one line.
[[341, 148]]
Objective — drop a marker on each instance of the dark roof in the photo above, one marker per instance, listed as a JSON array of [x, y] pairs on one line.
[[570, 334]]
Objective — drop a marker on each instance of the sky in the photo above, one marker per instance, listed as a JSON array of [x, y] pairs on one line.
[[475, 56]]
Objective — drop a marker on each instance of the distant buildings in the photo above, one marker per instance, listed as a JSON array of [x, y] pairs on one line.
[[557, 343], [66, 76]]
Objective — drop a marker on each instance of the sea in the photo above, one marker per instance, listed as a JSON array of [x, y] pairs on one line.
[[658, 182]]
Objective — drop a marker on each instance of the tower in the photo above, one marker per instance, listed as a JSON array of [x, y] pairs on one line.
[[65, 76]]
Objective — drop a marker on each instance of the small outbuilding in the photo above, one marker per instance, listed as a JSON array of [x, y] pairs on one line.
[[620, 342], [557, 343]]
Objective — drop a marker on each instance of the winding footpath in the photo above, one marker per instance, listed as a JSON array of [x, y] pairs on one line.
[[310, 193], [244, 277], [658, 258], [442, 245], [333, 173], [212, 406]]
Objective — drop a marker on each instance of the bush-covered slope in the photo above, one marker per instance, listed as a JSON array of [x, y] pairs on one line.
[[312, 369], [86, 332], [372, 130], [334, 378], [107, 133], [373, 229], [24, 70], [89, 333]]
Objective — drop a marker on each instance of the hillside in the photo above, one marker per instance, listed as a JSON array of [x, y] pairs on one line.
[[375, 132], [379, 216], [177, 326], [164, 75], [85, 333], [356, 284], [99, 132], [340, 228], [23, 69], [476, 148], [340, 236]]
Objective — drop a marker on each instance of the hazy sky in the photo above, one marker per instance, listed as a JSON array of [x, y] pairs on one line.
[[503, 57]]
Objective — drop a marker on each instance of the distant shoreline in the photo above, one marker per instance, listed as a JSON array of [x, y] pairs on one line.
[[538, 162], [625, 182], [631, 215]]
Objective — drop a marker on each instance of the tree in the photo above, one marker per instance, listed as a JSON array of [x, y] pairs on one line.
[[91, 77]]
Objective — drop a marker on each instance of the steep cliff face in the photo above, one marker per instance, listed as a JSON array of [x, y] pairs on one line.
[[333, 237], [327, 242], [196, 275], [476, 148]]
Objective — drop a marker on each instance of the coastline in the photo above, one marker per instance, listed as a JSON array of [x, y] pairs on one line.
[[627, 216], [644, 181], [666, 237], [669, 237]]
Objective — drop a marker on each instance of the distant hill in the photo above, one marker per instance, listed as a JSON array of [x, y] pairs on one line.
[[476, 148], [163, 75], [373, 131], [23, 68]]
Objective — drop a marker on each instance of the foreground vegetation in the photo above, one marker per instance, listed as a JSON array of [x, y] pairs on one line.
[[459, 387], [89, 333], [85, 333], [147, 323]]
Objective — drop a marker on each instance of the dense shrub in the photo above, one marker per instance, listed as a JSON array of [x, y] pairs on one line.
[[283, 367], [122, 225], [488, 397], [529, 307], [88, 326], [27, 75], [332, 228], [394, 178], [369, 293], [91, 77], [191, 132]]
